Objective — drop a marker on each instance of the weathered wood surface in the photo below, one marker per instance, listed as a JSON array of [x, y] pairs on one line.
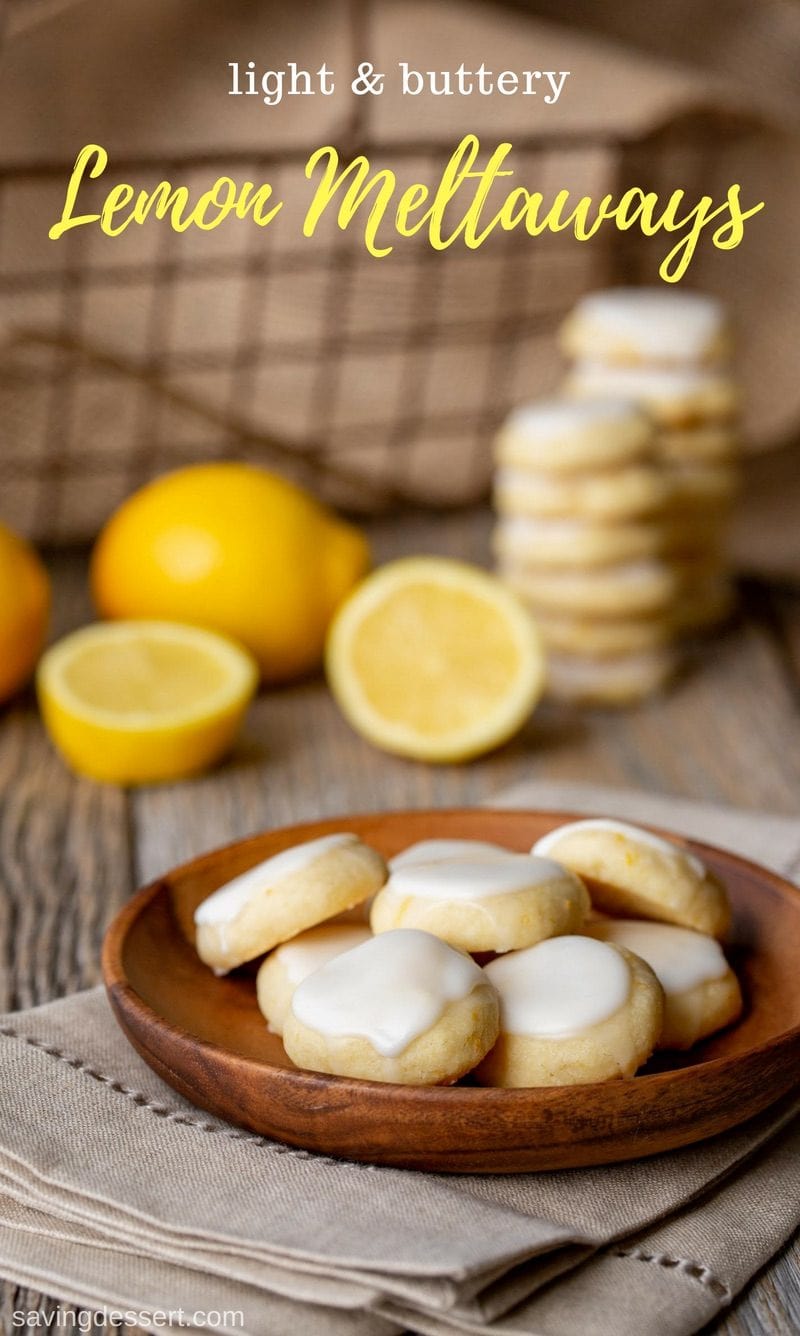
[[71, 852]]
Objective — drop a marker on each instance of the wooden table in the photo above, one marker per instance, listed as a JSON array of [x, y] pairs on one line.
[[71, 852]]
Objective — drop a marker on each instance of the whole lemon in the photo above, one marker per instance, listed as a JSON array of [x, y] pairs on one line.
[[234, 548], [24, 610]]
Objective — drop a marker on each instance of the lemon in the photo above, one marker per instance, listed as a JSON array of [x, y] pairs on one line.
[[24, 610], [141, 702], [236, 549], [434, 659]]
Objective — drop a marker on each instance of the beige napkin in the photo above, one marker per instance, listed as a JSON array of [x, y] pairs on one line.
[[114, 1190]]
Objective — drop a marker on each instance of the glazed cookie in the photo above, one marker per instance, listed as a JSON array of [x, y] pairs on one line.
[[674, 396], [701, 991], [612, 681], [596, 639], [403, 1007], [555, 541], [633, 872], [616, 494], [571, 1014], [631, 326], [289, 964], [632, 589], [439, 851], [482, 904], [283, 896], [568, 436]]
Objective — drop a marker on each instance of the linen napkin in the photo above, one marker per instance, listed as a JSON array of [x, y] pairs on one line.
[[116, 1191]]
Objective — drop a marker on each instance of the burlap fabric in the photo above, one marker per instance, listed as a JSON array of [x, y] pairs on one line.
[[115, 1191], [377, 381]]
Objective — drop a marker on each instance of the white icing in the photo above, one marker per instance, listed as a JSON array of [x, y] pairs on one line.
[[540, 489], [312, 949], [560, 987], [623, 574], [549, 842], [679, 958], [651, 385], [229, 901], [435, 851], [388, 991], [553, 420], [475, 879], [524, 528], [569, 670], [653, 321]]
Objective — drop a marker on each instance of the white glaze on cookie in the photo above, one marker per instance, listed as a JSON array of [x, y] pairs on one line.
[[649, 385], [522, 528], [437, 851], [475, 879], [559, 988], [552, 490], [316, 946], [655, 323], [625, 671], [226, 903], [389, 991], [679, 958], [550, 841], [553, 420]]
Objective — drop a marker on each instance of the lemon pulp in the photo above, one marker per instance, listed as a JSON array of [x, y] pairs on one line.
[[140, 702], [434, 659]]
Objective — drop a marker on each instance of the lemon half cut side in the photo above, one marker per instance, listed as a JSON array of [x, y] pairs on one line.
[[140, 702], [435, 659]]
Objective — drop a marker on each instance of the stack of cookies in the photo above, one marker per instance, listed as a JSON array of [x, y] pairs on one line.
[[669, 351], [586, 535]]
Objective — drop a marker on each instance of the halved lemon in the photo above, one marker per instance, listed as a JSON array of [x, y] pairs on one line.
[[434, 659], [142, 702]]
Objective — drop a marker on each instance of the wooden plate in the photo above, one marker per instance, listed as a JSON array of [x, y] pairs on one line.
[[206, 1037]]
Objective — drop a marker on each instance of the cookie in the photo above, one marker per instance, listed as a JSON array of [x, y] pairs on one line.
[[571, 1014], [674, 396], [483, 904], [596, 639], [571, 436], [618, 681], [631, 872], [283, 896], [695, 535], [289, 964], [707, 487], [706, 445], [631, 326], [701, 991], [403, 1007], [437, 851], [546, 541], [631, 589], [626, 493]]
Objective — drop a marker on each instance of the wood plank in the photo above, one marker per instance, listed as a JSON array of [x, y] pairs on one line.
[[65, 853]]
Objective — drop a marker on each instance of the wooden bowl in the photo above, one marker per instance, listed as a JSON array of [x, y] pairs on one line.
[[206, 1037]]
